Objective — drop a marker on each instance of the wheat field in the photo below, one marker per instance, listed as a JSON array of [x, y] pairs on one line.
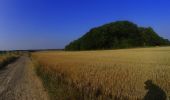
[[110, 74], [7, 58]]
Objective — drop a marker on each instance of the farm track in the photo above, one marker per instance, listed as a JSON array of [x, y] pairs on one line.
[[18, 81]]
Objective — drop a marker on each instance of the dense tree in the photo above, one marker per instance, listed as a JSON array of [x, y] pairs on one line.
[[120, 34]]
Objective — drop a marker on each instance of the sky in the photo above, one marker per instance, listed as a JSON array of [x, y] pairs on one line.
[[52, 24]]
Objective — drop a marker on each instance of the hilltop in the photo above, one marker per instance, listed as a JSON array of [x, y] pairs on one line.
[[119, 34]]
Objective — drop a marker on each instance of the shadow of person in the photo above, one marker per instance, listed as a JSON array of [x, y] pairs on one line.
[[154, 91]]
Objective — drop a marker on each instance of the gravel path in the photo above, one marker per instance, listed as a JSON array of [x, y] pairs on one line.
[[18, 81]]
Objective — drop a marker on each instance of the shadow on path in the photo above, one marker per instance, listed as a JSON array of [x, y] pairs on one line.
[[154, 91]]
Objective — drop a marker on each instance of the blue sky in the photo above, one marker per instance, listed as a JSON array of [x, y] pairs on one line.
[[40, 24]]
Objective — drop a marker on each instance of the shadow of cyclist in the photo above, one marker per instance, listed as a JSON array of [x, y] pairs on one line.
[[154, 91]]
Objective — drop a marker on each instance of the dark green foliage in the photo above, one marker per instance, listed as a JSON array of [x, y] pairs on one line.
[[3, 52], [120, 34], [151, 38]]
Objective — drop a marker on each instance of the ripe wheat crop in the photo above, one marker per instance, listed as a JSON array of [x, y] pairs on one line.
[[110, 74]]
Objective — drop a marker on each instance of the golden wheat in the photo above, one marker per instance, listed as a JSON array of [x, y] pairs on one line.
[[111, 73]]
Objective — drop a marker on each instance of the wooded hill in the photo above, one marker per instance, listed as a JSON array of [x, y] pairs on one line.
[[119, 34]]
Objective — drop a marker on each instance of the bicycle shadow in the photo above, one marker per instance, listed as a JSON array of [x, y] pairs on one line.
[[154, 91]]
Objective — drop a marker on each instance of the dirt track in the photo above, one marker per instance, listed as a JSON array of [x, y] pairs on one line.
[[18, 81]]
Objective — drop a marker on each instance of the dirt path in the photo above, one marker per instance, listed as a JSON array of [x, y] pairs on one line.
[[18, 81]]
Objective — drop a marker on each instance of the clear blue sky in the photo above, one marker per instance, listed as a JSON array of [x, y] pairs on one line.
[[39, 24]]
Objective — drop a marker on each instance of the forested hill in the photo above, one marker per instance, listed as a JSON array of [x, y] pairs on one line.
[[120, 34]]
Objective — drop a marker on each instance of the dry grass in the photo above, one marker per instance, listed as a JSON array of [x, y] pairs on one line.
[[114, 74], [2, 58], [6, 59]]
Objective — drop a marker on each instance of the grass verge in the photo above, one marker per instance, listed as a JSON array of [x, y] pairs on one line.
[[57, 87], [7, 61]]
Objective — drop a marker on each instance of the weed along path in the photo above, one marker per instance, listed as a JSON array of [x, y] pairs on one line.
[[18, 81]]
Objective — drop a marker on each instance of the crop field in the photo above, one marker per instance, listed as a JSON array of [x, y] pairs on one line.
[[2, 58], [110, 74], [7, 58]]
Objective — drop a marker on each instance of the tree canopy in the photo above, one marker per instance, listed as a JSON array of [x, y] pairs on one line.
[[119, 34]]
